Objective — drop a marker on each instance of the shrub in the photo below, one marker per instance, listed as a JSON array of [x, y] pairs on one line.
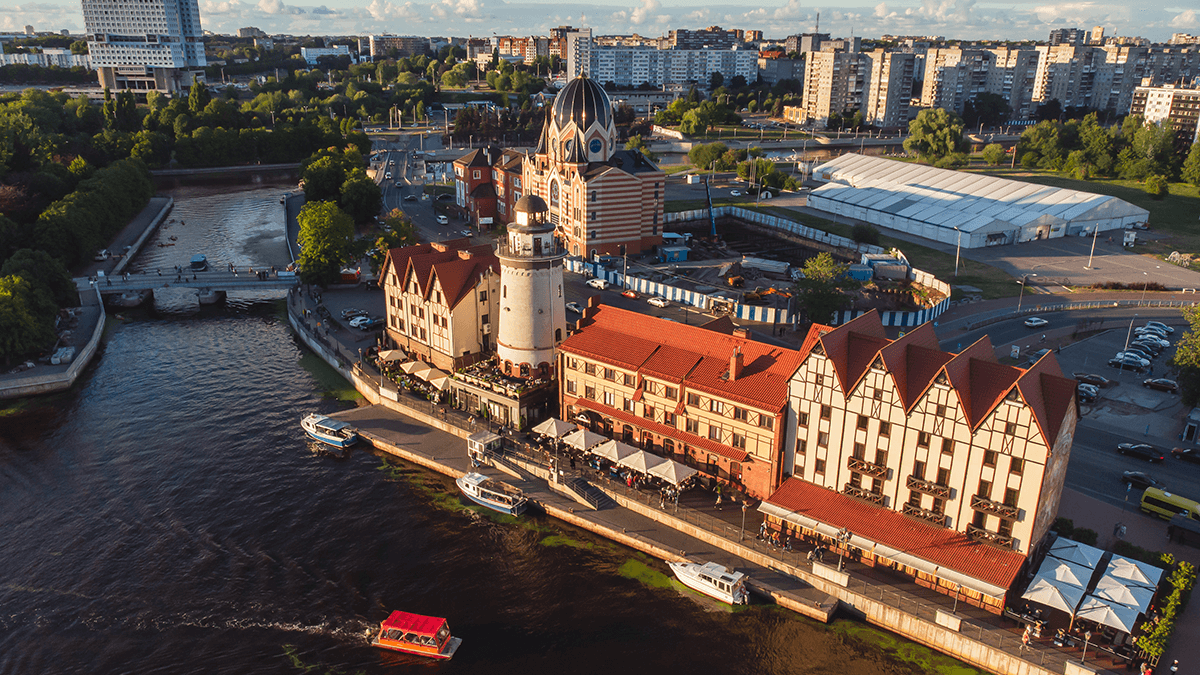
[[993, 154], [1156, 186], [1085, 536], [863, 233], [1063, 526]]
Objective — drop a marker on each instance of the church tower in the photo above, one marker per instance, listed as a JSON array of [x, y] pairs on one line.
[[533, 315]]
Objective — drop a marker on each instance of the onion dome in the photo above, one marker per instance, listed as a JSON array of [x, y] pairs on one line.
[[583, 102]]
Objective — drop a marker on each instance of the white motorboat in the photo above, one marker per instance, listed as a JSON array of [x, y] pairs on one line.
[[493, 494], [713, 580], [328, 430]]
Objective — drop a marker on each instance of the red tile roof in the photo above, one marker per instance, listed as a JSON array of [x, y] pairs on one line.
[[980, 381], [456, 264], [1048, 394], [852, 347], [913, 361], [629, 339], [664, 430], [938, 545]]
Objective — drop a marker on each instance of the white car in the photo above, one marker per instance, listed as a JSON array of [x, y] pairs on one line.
[[574, 307], [358, 321], [659, 302], [735, 193], [598, 284], [443, 220], [1035, 322], [1159, 324], [1154, 338]]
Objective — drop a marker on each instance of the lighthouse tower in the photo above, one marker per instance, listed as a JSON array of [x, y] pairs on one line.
[[533, 316]]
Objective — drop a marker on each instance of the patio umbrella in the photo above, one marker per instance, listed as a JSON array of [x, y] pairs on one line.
[[391, 355], [440, 382], [1110, 589], [1060, 570], [641, 461], [582, 439], [554, 428], [673, 472], [1133, 572], [1054, 594], [1111, 614], [423, 372], [413, 365], [613, 451], [1077, 553]]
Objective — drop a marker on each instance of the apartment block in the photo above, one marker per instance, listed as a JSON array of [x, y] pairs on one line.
[[1012, 75], [578, 44], [889, 90], [153, 45], [1172, 106], [805, 42], [945, 467], [1068, 36], [955, 76], [382, 46], [634, 66], [706, 396], [713, 37], [834, 82], [442, 301]]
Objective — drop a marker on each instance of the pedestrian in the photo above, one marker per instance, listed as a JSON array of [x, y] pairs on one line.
[[1025, 639], [1043, 337], [718, 505], [1151, 371], [572, 462]]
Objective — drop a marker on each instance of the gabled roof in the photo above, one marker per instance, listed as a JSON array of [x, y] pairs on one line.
[[852, 348], [484, 191], [913, 361], [456, 265], [980, 380], [1048, 394], [630, 339], [481, 157]]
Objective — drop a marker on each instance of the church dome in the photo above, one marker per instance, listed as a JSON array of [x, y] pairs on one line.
[[584, 102]]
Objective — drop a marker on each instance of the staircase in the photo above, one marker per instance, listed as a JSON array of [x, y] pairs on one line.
[[587, 493]]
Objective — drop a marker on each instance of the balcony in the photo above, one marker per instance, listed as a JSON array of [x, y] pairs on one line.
[[995, 508], [934, 517], [987, 537], [865, 467], [927, 487], [865, 495]]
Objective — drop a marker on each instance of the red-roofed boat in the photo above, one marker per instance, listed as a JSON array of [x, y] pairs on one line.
[[417, 634]]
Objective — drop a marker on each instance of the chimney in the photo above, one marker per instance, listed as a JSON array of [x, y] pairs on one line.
[[743, 333], [735, 365]]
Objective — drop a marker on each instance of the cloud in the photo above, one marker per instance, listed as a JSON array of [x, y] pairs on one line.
[[1185, 19], [277, 7]]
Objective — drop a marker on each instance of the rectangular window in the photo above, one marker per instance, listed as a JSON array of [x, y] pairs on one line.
[[943, 477], [856, 479], [766, 421], [671, 393], [989, 458], [919, 470], [881, 457], [939, 505], [739, 441], [801, 447], [878, 395], [885, 429], [627, 405], [819, 380], [1010, 496], [823, 439], [980, 519], [589, 368], [1010, 428], [609, 398], [610, 374], [862, 422], [693, 400], [947, 446], [941, 410], [669, 419], [923, 438], [648, 412], [484, 319], [693, 426], [741, 414], [860, 451], [570, 386], [716, 406], [826, 411], [1017, 465], [1005, 528], [819, 466], [803, 419], [985, 489], [630, 380], [589, 393], [914, 499], [714, 433]]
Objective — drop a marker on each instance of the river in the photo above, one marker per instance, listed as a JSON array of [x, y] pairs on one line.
[[168, 516]]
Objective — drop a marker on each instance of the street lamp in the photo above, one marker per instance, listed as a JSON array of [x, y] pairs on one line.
[[1129, 334], [1087, 636], [843, 538], [957, 248], [1022, 295], [742, 534], [1095, 231], [1145, 286]]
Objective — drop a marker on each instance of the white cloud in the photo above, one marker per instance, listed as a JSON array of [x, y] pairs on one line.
[[1185, 19], [275, 7]]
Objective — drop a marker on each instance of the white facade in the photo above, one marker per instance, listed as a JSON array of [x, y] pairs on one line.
[[312, 54], [579, 52], [632, 65], [144, 45], [63, 58], [533, 315]]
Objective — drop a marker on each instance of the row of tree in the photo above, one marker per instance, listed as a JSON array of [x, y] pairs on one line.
[[337, 176]]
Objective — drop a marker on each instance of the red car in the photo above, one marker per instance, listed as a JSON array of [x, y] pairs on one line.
[[630, 294]]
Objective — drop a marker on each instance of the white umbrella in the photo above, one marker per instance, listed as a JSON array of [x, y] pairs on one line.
[[423, 371], [1133, 572], [390, 355], [1077, 553], [554, 428], [413, 365], [440, 382], [1060, 570], [613, 451], [1110, 589], [641, 461], [1111, 614], [673, 472], [1054, 594], [582, 439]]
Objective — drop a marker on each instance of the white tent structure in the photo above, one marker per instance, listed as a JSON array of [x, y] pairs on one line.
[[640, 461], [1112, 614], [673, 472], [960, 208], [614, 451], [1132, 572], [1056, 594], [554, 428], [1110, 589], [583, 440], [1076, 553]]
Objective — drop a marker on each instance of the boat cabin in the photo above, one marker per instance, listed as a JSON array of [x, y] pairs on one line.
[[720, 578], [414, 633], [482, 444]]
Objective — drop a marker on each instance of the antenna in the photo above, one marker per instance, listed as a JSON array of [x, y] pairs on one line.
[[818, 28]]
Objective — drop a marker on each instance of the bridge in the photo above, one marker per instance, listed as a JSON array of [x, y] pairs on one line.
[[213, 280]]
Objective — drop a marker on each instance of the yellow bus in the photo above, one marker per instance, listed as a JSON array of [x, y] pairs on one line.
[[1165, 504]]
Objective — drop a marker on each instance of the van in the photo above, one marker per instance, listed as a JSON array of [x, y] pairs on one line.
[[1166, 505], [599, 284]]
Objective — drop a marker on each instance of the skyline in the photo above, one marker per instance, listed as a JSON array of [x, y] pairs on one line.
[[952, 19]]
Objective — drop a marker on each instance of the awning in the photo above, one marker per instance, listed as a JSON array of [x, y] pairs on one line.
[[582, 439], [1054, 594], [673, 472], [613, 451], [1111, 614], [554, 428], [641, 461], [391, 355]]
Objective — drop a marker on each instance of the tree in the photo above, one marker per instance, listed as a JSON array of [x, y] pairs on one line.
[[715, 80], [79, 47], [198, 96], [1191, 166], [398, 231], [44, 274], [993, 154], [635, 142], [1187, 358], [1156, 186], [703, 155], [820, 292], [1050, 110], [23, 329], [935, 134], [987, 109], [326, 235], [361, 197]]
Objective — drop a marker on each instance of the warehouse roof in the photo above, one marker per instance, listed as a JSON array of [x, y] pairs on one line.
[[946, 198]]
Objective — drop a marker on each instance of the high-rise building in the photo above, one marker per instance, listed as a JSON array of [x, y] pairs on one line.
[[955, 76], [1067, 36], [1184, 39], [1097, 36], [250, 32], [579, 51], [713, 37], [805, 42], [889, 88], [150, 45], [1171, 106], [834, 82], [1011, 76], [381, 46]]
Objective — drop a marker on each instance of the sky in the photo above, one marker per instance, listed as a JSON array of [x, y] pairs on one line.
[[962, 19]]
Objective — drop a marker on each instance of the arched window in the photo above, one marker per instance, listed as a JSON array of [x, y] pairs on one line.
[[558, 335], [524, 370]]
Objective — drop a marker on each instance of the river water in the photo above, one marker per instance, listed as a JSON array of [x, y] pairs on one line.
[[168, 516]]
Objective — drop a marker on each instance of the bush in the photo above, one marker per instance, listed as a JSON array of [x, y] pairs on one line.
[[1120, 286], [1063, 526], [863, 233], [993, 154], [1156, 186], [1085, 536]]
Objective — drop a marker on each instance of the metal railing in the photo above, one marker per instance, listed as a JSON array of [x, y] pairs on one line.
[[988, 506], [927, 487]]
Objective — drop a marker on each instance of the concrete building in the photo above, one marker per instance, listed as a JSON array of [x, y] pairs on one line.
[[945, 467], [312, 55], [708, 397], [889, 89], [634, 66], [805, 42], [955, 76], [142, 46], [578, 57], [957, 208], [533, 314], [713, 37], [62, 58], [1184, 39], [1170, 106], [381, 46], [1068, 36], [442, 301], [251, 32], [775, 68], [1096, 37], [834, 82], [1011, 76], [602, 199]]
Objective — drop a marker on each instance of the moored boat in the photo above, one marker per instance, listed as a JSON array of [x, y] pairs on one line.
[[328, 430], [493, 494], [713, 580], [417, 634], [199, 263]]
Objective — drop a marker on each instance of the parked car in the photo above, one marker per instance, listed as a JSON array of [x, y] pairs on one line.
[[1036, 322], [1132, 363], [351, 313], [1154, 338], [468, 233], [410, 198], [598, 284], [443, 220], [1097, 380], [659, 302], [358, 321], [574, 307], [1141, 451], [1139, 352], [371, 324], [1150, 330], [1034, 356], [735, 193], [1159, 324], [1141, 480], [1134, 357], [1087, 392], [630, 293], [1152, 347], [1161, 384], [101, 255], [1187, 454]]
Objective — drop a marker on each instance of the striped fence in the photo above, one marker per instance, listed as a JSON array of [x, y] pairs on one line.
[[775, 223]]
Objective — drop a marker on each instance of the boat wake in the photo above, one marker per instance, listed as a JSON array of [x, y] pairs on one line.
[[351, 630]]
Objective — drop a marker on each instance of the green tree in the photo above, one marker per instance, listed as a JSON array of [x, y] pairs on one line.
[[635, 142], [935, 134], [198, 96], [1156, 186], [24, 329], [993, 154], [323, 179], [1191, 166], [326, 235], [361, 197], [44, 274], [79, 47], [398, 231], [821, 291], [702, 155], [1187, 358], [987, 109]]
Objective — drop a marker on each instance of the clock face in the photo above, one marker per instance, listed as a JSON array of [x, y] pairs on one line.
[[595, 145]]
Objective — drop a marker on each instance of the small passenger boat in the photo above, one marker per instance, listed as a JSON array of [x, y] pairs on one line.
[[417, 634], [199, 262], [493, 494], [328, 430], [713, 580]]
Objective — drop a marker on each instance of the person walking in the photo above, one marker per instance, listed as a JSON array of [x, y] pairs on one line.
[[718, 490]]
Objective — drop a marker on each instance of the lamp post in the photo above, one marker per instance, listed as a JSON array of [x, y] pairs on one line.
[[1087, 636], [1022, 295], [1129, 334], [957, 248], [742, 534], [1095, 231], [843, 538], [1145, 286]]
